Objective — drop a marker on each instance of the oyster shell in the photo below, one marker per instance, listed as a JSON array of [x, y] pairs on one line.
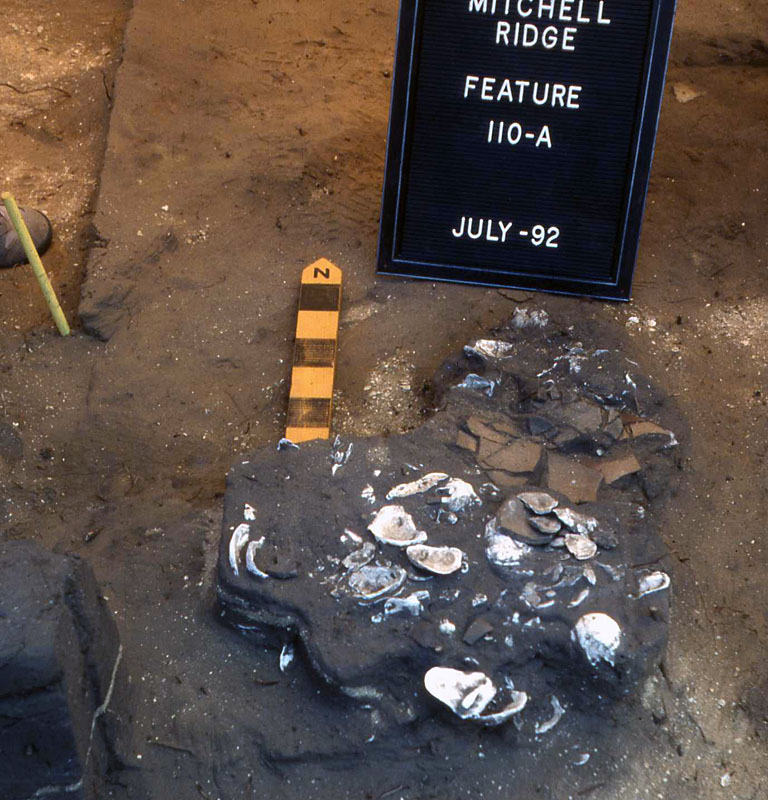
[[237, 544], [468, 695], [580, 547], [538, 502], [465, 693], [652, 582], [394, 525], [599, 636], [373, 581], [440, 560]]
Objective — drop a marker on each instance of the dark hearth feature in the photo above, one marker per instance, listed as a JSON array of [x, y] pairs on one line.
[[501, 563], [59, 661]]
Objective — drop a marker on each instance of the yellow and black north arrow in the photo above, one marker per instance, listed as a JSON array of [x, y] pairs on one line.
[[310, 402]]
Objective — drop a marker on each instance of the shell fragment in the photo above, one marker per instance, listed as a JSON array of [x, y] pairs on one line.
[[417, 487], [359, 558], [578, 523], [458, 495]]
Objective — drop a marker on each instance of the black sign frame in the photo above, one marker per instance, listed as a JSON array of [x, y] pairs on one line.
[[637, 173]]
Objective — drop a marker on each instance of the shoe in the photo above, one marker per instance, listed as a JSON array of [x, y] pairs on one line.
[[11, 251]]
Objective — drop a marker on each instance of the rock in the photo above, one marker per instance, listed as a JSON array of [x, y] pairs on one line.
[[546, 525], [618, 468], [577, 482], [539, 425], [516, 457], [60, 658], [482, 430], [476, 630], [513, 519], [643, 427], [466, 441], [505, 480], [368, 617]]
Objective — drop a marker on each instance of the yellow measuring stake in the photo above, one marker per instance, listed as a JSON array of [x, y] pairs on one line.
[[37, 265], [310, 403]]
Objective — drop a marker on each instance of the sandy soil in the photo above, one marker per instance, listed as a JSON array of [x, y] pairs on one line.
[[246, 140]]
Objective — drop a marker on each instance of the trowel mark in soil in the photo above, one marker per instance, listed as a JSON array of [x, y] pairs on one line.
[[549, 571]]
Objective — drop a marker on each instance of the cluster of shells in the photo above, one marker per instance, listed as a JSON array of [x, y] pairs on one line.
[[530, 520], [370, 579]]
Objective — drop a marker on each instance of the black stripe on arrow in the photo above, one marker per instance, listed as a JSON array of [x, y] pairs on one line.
[[314, 353], [309, 412], [315, 297]]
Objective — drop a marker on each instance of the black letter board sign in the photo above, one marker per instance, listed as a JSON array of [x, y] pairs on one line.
[[520, 142]]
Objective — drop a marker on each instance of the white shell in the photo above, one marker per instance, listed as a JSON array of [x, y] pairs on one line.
[[440, 560], [557, 715], [531, 597], [413, 604], [368, 493], [515, 706], [522, 318], [493, 348], [236, 545], [501, 549], [579, 599], [359, 558], [580, 547], [250, 558], [417, 487], [373, 581], [465, 693], [652, 582], [599, 636], [287, 655], [458, 495], [394, 525], [538, 502]]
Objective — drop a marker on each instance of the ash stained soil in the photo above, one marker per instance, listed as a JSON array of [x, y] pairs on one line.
[[267, 156]]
